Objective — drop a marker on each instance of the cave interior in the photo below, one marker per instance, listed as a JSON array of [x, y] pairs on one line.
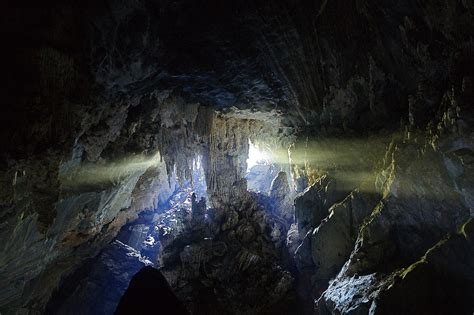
[[237, 157]]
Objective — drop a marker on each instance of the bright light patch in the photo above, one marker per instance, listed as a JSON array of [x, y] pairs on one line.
[[255, 156]]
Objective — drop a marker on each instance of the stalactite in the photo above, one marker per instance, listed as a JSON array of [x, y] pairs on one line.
[[220, 140]]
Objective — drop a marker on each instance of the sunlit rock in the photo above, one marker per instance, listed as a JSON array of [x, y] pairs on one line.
[[312, 205], [282, 197], [333, 240], [115, 112], [259, 177]]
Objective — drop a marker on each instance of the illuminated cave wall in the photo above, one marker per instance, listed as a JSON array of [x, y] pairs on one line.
[[104, 100]]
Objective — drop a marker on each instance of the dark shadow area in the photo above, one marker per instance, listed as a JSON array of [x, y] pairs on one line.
[[149, 292]]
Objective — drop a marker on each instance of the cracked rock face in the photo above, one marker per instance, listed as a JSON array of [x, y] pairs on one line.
[[208, 260], [399, 244]]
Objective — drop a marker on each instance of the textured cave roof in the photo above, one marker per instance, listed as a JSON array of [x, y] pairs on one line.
[[329, 67]]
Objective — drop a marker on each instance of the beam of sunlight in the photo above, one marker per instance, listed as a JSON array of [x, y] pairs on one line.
[[90, 175]]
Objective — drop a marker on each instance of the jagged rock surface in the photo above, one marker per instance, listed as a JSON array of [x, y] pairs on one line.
[[413, 219], [95, 88], [312, 205], [98, 285], [333, 240], [281, 197], [440, 282], [260, 177], [205, 261]]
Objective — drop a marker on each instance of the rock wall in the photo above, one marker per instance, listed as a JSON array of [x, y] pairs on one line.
[[97, 286], [339, 85], [33, 260], [233, 262], [358, 253]]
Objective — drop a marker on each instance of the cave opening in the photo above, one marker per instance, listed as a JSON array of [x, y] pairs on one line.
[[256, 156]]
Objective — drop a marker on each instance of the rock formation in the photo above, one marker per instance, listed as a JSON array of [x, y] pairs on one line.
[[125, 131]]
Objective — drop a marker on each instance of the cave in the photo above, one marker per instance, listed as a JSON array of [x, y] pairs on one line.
[[237, 157]]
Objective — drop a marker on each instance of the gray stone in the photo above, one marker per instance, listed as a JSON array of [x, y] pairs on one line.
[[312, 205]]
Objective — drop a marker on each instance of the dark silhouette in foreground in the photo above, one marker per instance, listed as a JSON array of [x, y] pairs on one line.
[[149, 293]]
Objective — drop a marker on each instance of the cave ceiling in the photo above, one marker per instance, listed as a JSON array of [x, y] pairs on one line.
[[330, 66]]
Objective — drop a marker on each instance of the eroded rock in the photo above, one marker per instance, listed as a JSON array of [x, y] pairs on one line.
[[312, 205]]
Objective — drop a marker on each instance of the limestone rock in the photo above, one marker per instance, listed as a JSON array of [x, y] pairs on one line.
[[281, 196], [260, 177], [292, 239], [440, 282], [312, 205], [96, 288], [333, 240], [396, 221], [215, 261], [147, 287], [91, 85]]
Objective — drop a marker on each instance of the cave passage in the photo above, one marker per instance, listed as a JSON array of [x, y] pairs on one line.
[[185, 217], [106, 277]]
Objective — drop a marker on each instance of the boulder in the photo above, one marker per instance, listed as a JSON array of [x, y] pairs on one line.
[[333, 241], [280, 195], [312, 205]]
